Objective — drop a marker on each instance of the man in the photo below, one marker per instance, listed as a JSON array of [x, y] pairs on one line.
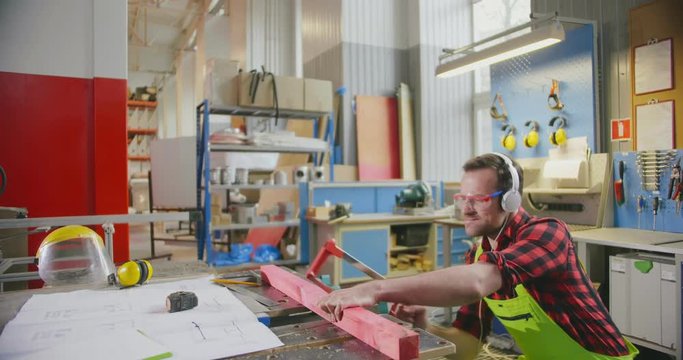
[[525, 272]]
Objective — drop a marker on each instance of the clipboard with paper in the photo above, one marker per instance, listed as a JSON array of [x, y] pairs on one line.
[[655, 125], [653, 66]]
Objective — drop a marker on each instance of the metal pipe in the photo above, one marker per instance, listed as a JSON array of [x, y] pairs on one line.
[[92, 220]]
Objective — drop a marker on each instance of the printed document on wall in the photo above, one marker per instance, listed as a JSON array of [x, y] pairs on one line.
[[655, 126], [653, 67]]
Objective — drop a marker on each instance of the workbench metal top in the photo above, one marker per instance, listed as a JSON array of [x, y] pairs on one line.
[[637, 239], [379, 218], [305, 335]]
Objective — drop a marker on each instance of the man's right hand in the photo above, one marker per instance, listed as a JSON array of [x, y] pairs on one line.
[[334, 303], [414, 314]]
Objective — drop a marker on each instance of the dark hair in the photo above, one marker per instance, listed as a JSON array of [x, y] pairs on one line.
[[493, 161]]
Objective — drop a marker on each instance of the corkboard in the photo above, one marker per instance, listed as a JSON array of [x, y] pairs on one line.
[[659, 19]]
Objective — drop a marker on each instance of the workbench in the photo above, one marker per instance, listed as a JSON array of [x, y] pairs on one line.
[[371, 239], [305, 335], [596, 245]]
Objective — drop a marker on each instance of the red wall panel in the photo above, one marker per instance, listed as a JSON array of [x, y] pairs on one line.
[[110, 154], [56, 150]]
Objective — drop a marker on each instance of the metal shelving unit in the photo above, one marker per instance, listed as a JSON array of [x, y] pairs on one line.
[[254, 226], [204, 188], [263, 148]]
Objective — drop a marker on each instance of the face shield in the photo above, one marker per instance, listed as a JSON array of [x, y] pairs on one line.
[[74, 255]]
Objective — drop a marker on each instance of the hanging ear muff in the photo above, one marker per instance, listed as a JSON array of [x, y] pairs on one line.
[[559, 136], [508, 140], [134, 272], [531, 139]]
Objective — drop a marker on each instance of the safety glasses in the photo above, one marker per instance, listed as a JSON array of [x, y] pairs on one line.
[[476, 201]]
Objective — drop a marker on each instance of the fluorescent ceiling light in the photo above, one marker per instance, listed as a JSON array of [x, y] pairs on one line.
[[532, 41]]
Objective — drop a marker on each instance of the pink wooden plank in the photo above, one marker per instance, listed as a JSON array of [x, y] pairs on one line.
[[377, 138], [386, 336]]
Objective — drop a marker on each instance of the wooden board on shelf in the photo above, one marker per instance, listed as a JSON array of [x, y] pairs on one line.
[[140, 103], [406, 132], [142, 131]]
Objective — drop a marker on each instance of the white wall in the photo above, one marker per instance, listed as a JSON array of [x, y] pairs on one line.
[[379, 23], [217, 37], [32, 31], [443, 106], [109, 39], [271, 37], [75, 38]]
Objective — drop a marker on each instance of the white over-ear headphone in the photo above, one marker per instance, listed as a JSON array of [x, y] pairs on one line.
[[511, 199]]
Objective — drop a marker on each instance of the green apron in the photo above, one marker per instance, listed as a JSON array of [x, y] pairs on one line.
[[536, 334]]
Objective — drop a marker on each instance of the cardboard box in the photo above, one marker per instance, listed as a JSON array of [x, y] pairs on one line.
[[318, 212], [290, 92], [264, 90], [221, 84], [317, 95]]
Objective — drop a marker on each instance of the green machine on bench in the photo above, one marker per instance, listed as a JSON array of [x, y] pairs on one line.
[[415, 196]]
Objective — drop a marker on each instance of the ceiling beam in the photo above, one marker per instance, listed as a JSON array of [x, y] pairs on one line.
[[189, 31]]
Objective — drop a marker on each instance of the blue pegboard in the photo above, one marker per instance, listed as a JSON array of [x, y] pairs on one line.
[[524, 83], [626, 214]]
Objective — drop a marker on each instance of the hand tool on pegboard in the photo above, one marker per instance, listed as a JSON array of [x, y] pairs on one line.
[[674, 179], [650, 166], [640, 204], [678, 196], [619, 184], [655, 210]]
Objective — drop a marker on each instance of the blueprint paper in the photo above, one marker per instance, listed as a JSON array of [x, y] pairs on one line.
[[219, 326]]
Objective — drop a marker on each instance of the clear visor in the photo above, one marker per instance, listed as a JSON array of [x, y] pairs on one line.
[[74, 261]]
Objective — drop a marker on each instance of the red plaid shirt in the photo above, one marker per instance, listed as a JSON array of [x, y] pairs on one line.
[[538, 253]]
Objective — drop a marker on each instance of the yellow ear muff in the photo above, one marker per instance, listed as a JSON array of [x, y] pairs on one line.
[[134, 272], [508, 140], [559, 136], [531, 139]]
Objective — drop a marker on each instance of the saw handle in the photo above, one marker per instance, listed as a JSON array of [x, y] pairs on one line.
[[330, 248]]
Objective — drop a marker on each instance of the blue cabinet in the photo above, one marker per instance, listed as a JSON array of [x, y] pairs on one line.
[[373, 239], [368, 246], [460, 244]]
